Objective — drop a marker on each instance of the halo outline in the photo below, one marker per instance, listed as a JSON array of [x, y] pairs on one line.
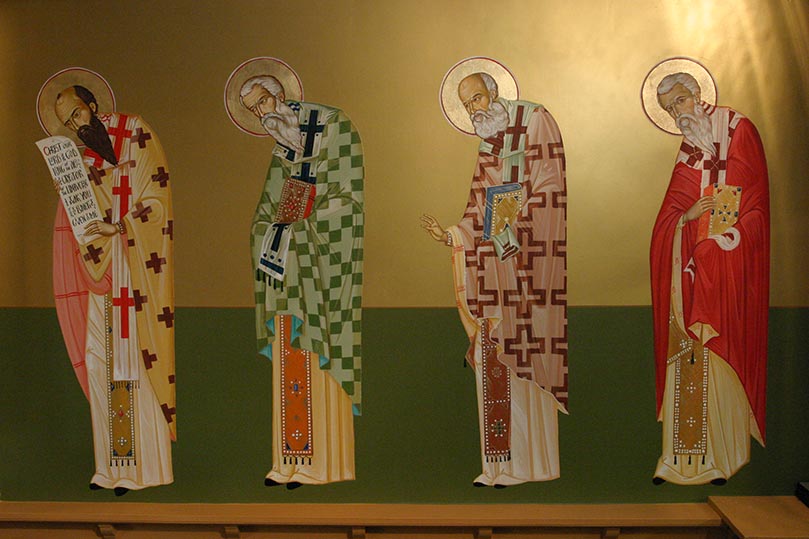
[[74, 75], [507, 87], [676, 64], [241, 116]]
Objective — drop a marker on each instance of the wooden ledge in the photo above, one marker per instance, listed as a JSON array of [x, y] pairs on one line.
[[382, 515], [763, 517]]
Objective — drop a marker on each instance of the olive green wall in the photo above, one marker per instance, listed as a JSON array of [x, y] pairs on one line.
[[417, 441]]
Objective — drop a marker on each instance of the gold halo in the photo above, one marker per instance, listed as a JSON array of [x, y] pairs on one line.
[[451, 104], [71, 76], [262, 65], [679, 64]]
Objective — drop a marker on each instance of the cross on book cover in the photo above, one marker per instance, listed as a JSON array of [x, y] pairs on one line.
[[726, 212]]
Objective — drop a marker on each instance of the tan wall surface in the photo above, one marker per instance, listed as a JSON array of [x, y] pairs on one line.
[[382, 62]]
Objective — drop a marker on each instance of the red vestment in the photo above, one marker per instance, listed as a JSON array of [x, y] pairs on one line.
[[729, 290]]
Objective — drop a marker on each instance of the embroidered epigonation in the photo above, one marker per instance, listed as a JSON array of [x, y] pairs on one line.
[[296, 398], [691, 401], [496, 400]]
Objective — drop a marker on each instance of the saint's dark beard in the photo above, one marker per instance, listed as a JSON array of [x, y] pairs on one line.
[[96, 138]]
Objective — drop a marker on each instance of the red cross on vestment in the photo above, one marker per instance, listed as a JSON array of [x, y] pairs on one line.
[[162, 176], [96, 174], [167, 317], [556, 150], [141, 212], [139, 299], [123, 191], [525, 345], [119, 133], [140, 137], [98, 162], [148, 358], [714, 164], [92, 253], [169, 229], [515, 174], [517, 130], [124, 302], [694, 154], [155, 262], [168, 412]]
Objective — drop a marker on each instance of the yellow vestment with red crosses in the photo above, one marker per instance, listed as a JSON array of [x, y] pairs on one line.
[[136, 193]]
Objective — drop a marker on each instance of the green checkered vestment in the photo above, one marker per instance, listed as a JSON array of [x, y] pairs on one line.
[[323, 279]]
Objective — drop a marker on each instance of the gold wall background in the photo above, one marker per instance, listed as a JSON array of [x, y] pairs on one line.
[[382, 62]]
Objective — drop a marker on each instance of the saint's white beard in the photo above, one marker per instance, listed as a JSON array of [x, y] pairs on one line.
[[490, 122], [282, 125], [697, 128]]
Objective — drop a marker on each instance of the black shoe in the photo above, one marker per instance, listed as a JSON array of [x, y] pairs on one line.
[[292, 485], [120, 491], [270, 483], [658, 480], [478, 485], [500, 486], [719, 481], [94, 486]]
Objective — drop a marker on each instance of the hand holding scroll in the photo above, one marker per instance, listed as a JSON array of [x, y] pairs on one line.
[[101, 228]]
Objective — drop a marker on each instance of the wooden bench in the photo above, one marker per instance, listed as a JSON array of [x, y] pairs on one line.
[[763, 517], [357, 521]]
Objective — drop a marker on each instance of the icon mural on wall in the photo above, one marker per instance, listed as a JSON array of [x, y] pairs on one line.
[[710, 280], [509, 268], [307, 250], [113, 274]]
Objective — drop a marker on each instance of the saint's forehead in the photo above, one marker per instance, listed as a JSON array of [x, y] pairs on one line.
[[66, 101], [471, 84], [68, 95], [676, 91], [256, 92]]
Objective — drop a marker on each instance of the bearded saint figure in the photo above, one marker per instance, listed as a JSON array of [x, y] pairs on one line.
[[307, 240], [710, 289], [509, 268], [114, 295]]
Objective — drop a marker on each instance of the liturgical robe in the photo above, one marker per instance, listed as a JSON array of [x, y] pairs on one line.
[[115, 303], [710, 302], [514, 309]]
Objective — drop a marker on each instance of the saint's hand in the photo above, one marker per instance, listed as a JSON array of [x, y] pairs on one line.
[[700, 206], [430, 224], [101, 228]]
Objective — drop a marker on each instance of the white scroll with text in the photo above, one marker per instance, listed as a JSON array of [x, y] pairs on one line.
[[67, 169]]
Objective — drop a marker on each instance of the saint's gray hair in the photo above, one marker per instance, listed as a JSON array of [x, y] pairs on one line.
[[489, 81], [669, 81], [268, 82]]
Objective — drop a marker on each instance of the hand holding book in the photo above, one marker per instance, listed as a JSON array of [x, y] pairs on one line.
[[723, 213]]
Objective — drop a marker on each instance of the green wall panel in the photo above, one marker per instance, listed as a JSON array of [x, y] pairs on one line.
[[417, 441]]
